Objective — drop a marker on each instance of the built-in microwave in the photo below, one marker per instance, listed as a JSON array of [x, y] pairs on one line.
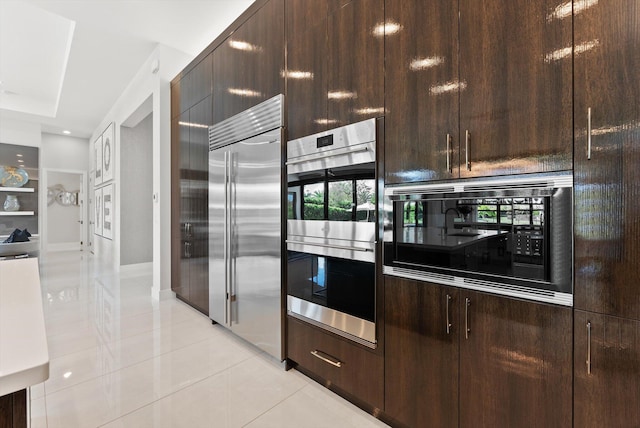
[[507, 235]]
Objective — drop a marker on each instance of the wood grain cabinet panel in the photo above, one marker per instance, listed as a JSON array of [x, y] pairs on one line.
[[335, 64], [503, 362], [361, 370], [356, 62], [515, 363], [13, 410], [190, 234], [306, 76], [421, 358], [248, 66], [607, 120], [606, 371], [421, 121], [477, 89], [515, 87]]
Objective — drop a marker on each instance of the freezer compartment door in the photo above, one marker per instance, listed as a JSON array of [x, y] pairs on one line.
[[219, 235]]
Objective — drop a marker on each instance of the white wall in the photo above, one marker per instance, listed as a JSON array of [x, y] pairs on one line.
[[13, 131], [136, 198], [146, 84], [64, 152]]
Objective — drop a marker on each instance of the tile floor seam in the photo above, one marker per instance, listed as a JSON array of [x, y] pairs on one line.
[[123, 367], [276, 405], [173, 393]]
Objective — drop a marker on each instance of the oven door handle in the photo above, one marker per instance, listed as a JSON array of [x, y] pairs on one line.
[[328, 155], [337, 247]]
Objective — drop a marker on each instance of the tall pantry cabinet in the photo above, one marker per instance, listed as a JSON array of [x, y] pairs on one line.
[[607, 224], [191, 116]]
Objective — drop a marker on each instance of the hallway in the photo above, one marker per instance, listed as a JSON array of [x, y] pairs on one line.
[[121, 359]]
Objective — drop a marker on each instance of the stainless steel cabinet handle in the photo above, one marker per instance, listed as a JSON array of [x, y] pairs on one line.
[[337, 247], [588, 347], [467, 137], [449, 152], [448, 321], [328, 155], [326, 358], [467, 330], [589, 133]]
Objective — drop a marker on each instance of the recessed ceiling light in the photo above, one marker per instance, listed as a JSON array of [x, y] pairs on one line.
[[19, 155], [65, 132]]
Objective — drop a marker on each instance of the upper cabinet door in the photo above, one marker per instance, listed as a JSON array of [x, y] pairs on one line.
[[515, 87], [306, 73], [421, 114], [607, 156], [356, 62], [249, 65]]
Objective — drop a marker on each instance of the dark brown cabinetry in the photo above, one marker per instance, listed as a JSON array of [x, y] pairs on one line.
[[338, 363], [335, 63], [13, 410], [607, 230], [508, 79], [515, 363], [511, 359], [248, 66], [421, 124], [306, 76], [607, 155], [421, 353], [190, 279], [607, 369]]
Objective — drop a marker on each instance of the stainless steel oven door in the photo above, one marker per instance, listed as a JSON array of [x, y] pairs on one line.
[[334, 293]]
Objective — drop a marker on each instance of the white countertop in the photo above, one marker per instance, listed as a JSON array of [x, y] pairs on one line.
[[24, 354]]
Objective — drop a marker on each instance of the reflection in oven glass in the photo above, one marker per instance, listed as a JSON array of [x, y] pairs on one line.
[[345, 285]]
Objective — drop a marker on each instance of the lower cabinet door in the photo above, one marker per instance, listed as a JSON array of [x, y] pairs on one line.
[[606, 371], [339, 362], [515, 363], [421, 353]]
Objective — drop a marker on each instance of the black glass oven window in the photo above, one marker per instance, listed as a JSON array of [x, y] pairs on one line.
[[346, 286]]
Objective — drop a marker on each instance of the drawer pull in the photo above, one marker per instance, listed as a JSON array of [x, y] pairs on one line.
[[326, 358]]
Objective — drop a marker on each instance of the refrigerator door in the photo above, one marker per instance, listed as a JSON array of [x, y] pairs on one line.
[[255, 229], [218, 235]]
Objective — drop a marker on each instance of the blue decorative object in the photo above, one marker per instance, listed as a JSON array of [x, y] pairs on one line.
[[11, 176]]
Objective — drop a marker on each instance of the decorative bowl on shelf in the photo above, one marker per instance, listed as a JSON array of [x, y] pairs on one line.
[[11, 176]]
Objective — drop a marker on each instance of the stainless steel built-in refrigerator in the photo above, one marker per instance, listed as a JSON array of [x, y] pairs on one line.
[[245, 218]]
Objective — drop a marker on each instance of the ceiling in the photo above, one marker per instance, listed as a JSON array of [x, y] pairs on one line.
[[64, 63]]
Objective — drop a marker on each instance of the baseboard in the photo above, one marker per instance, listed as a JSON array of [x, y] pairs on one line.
[[162, 294], [64, 246]]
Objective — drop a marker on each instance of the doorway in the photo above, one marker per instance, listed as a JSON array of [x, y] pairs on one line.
[[136, 203], [64, 213]]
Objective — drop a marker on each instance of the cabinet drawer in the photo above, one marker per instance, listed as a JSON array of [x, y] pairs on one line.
[[341, 363]]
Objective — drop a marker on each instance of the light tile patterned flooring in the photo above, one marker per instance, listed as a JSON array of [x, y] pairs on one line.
[[121, 359]]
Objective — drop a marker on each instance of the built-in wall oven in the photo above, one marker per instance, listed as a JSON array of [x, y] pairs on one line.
[[331, 230], [506, 235]]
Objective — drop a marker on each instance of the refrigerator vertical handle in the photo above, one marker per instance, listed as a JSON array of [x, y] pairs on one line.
[[225, 257]]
